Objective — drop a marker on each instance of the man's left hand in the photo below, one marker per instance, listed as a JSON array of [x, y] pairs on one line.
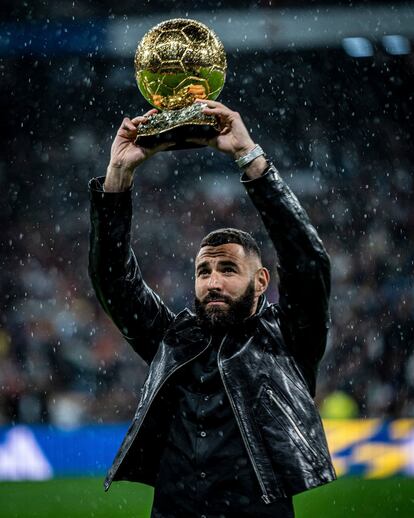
[[234, 138]]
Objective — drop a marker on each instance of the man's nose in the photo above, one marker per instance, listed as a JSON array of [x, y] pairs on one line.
[[214, 281]]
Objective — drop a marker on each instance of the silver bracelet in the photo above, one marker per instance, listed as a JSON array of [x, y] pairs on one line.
[[245, 160]]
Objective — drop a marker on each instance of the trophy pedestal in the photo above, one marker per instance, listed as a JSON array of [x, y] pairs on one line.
[[178, 126]]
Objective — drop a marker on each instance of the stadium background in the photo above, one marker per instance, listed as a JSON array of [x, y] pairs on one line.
[[327, 89]]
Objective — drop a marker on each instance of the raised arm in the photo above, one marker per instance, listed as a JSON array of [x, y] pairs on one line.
[[135, 308], [304, 266]]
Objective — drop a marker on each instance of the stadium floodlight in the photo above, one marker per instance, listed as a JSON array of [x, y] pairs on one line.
[[396, 45], [358, 47]]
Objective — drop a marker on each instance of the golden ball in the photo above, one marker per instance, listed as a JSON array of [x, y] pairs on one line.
[[178, 61]]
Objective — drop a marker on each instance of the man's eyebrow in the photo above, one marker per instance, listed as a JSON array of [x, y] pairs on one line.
[[202, 265], [228, 262], [222, 263]]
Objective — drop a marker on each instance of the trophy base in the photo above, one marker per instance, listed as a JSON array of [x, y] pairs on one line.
[[178, 126]]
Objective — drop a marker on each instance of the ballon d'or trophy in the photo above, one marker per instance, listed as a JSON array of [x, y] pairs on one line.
[[177, 62]]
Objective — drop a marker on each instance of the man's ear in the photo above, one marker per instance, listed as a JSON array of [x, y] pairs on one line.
[[262, 279]]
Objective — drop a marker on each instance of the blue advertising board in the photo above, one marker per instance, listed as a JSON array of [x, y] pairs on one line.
[[41, 452], [370, 448]]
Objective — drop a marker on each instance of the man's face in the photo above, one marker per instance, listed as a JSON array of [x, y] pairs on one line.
[[226, 286]]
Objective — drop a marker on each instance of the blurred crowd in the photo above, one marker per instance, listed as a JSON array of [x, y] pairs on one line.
[[340, 130], [123, 8]]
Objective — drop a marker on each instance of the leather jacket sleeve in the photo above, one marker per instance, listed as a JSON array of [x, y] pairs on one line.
[[135, 308], [304, 267]]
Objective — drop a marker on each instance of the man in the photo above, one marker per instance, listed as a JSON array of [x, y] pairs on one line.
[[226, 425]]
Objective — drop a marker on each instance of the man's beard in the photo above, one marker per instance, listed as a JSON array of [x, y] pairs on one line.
[[218, 318]]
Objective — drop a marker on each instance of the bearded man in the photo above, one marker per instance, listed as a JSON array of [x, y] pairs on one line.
[[226, 424]]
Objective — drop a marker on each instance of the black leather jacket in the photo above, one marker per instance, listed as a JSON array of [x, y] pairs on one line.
[[268, 366]]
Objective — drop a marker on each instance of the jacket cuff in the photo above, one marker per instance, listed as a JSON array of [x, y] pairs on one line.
[[110, 211], [99, 196], [271, 169], [270, 177]]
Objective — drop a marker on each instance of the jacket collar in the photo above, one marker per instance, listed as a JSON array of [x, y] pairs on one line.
[[262, 305]]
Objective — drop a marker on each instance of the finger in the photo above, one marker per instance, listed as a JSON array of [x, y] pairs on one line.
[[225, 130], [153, 111], [218, 109], [127, 125], [141, 118], [213, 109], [210, 103], [136, 121]]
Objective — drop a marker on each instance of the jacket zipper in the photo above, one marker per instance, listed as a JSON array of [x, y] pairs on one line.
[[159, 388], [265, 495], [273, 397]]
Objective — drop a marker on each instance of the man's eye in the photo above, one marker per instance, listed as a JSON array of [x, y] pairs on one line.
[[229, 269], [202, 273]]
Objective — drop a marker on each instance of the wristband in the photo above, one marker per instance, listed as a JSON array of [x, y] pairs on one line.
[[245, 160]]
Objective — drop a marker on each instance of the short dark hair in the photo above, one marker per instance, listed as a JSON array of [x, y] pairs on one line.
[[224, 236]]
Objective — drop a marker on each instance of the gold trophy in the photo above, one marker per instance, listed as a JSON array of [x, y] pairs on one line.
[[177, 62]]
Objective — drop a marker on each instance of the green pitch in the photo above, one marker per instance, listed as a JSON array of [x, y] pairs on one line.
[[84, 498]]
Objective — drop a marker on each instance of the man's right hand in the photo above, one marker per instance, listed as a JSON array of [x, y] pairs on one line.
[[126, 156]]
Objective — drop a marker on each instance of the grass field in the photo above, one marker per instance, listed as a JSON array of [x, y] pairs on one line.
[[84, 497]]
